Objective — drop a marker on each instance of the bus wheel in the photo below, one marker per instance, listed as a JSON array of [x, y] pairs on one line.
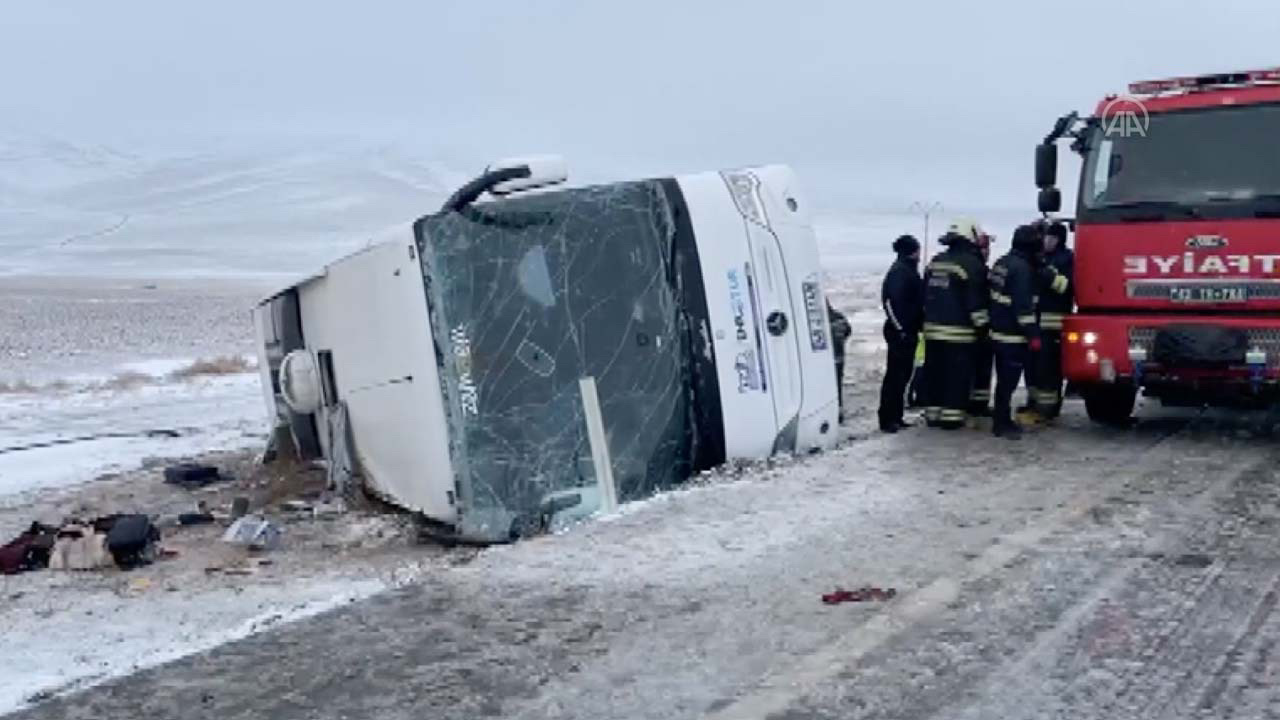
[[1109, 404]]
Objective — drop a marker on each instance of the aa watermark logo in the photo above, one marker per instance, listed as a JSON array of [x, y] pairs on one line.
[[1125, 116]]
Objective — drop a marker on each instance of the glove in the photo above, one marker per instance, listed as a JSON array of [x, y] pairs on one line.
[[1034, 344]]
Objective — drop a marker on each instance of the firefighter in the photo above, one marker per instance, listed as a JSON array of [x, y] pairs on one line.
[[1014, 331], [840, 332], [1055, 303], [903, 303], [983, 354], [955, 312]]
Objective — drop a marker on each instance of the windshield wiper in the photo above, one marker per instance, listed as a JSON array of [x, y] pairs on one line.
[[1261, 205], [1150, 210], [1268, 205]]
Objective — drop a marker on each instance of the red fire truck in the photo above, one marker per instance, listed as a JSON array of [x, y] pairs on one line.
[[1177, 277]]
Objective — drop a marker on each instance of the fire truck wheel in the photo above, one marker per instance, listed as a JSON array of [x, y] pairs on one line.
[[1109, 404]]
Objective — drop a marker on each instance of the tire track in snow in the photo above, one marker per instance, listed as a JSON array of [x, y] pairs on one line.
[[778, 693]]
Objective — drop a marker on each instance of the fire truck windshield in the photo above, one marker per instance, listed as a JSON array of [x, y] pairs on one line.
[[1214, 163]]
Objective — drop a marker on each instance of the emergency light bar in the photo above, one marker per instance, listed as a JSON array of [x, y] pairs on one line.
[[1196, 82]]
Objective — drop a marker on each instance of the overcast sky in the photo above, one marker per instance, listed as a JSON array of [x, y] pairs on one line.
[[873, 103]]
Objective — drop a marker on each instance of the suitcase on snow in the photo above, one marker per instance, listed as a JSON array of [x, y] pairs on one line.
[[133, 541]]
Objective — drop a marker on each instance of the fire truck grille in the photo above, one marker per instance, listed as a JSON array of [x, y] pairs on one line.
[[1267, 339], [1160, 289]]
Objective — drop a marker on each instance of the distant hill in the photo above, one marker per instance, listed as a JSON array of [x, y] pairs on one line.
[[67, 209]]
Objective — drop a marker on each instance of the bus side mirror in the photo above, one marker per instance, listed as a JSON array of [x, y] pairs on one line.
[[540, 171], [510, 176], [1050, 200], [1046, 165]]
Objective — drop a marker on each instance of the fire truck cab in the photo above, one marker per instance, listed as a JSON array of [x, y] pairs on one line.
[[1177, 277]]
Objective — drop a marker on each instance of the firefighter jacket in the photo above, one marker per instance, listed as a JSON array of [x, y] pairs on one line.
[[1057, 288], [1013, 284], [956, 295], [903, 299]]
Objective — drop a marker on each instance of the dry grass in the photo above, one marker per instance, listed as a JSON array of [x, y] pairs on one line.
[[127, 381], [205, 367], [130, 379]]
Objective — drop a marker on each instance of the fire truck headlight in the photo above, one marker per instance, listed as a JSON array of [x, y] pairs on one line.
[[1091, 357], [1090, 338], [1256, 357], [1137, 355]]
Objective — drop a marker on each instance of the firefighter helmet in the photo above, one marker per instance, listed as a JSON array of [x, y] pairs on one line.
[[967, 229]]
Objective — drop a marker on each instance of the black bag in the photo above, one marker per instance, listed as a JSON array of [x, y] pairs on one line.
[[191, 475], [1200, 346], [132, 541]]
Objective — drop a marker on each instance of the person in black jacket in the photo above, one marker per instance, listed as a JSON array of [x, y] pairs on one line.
[[1014, 331], [840, 332], [902, 298], [955, 317]]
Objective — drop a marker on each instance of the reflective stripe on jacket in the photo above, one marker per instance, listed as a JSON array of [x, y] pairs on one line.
[[1013, 317], [956, 294]]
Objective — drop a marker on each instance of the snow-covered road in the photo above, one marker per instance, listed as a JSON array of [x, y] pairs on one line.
[[1079, 573]]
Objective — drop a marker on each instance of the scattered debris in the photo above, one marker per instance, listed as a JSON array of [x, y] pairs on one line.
[[29, 551], [191, 475], [133, 541], [195, 518], [862, 594], [139, 585], [254, 531], [239, 507], [329, 508], [124, 541], [79, 546], [249, 566], [324, 507]]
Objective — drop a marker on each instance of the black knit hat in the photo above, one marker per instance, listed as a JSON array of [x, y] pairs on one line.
[[1028, 239], [1058, 230], [906, 244]]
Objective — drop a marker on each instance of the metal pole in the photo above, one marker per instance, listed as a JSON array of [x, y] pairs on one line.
[[925, 209], [925, 256]]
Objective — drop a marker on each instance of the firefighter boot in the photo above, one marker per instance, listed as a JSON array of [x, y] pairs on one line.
[[1006, 428]]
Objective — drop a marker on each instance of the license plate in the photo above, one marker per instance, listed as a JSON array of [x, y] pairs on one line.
[[816, 310], [1209, 294]]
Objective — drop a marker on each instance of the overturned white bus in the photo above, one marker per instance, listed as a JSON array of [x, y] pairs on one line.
[[507, 364]]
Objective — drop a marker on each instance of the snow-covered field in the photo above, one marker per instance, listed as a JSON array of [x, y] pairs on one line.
[[75, 432]]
